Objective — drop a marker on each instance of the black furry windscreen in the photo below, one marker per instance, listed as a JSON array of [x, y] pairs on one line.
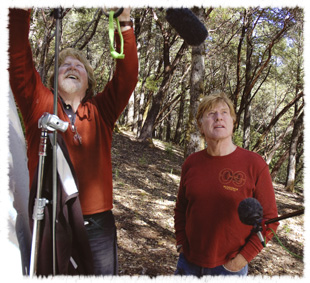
[[188, 26], [250, 211]]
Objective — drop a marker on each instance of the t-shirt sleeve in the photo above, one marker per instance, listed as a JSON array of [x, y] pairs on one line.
[[264, 193]]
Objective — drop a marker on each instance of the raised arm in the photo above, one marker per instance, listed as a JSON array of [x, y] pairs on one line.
[[117, 92], [25, 81]]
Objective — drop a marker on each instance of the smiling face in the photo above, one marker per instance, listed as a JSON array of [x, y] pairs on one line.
[[72, 77], [217, 123]]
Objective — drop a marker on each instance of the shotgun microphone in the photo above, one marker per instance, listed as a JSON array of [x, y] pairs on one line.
[[187, 25], [251, 213]]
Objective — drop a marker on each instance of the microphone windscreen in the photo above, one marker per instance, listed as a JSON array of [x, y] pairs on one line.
[[188, 26], [250, 211]]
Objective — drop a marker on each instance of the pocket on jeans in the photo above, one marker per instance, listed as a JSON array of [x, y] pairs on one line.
[[242, 272], [230, 270]]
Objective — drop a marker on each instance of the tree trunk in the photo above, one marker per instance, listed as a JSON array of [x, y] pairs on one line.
[[298, 126], [263, 64], [278, 164], [179, 125], [291, 168], [247, 125], [275, 120], [147, 129], [247, 89], [279, 139], [168, 127], [238, 69], [130, 111], [194, 142], [180, 120]]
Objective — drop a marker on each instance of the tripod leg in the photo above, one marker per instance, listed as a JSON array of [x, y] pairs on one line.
[[38, 212]]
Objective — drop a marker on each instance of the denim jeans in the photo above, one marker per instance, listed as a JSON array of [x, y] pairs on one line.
[[185, 267], [103, 242]]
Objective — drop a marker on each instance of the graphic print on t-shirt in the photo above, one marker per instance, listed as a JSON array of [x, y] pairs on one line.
[[231, 179]]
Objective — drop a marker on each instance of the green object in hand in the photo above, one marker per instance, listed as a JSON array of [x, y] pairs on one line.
[[114, 53]]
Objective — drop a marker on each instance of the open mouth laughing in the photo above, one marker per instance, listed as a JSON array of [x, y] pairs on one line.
[[72, 76]]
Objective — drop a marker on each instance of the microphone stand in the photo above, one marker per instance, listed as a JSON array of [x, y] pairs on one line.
[[57, 16], [51, 123], [38, 210]]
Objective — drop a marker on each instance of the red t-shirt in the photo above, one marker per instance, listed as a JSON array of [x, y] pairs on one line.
[[207, 223], [95, 119]]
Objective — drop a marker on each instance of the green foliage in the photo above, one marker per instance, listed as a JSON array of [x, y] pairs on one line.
[[237, 137], [269, 60], [152, 84], [169, 148]]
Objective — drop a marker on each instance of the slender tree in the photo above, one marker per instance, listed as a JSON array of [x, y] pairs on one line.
[[194, 141]]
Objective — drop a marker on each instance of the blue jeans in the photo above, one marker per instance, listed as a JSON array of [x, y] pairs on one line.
[[185, 267], [102, 237]]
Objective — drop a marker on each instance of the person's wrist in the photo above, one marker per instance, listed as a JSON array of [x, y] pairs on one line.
[[125, 20], [179, 248], [125, 15], [125, 24], [237, 263]]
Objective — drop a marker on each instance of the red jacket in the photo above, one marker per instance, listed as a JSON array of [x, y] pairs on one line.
[[207, 223], [95, 118]]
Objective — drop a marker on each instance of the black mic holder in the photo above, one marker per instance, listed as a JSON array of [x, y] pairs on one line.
[[116, 14], [58, 13], [257, 228]]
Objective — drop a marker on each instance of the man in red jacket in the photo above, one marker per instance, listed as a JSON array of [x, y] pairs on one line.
[[210, 236], [91, 122]]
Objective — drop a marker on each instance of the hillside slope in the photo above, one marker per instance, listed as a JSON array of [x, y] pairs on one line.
[[146, 182]]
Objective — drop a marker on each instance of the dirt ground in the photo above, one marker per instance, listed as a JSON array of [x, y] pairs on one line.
[[146, 180]]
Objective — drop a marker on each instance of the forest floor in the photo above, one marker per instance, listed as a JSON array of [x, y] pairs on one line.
[[146, 180]]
